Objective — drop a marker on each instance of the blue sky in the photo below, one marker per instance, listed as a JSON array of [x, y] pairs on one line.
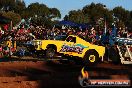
[[66, 5]]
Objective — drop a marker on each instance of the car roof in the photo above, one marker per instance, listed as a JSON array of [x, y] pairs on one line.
[[73, 35]]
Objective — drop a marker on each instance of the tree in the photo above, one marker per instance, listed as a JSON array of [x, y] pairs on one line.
[[72, 15], [90, 14], [38, 9], [16, 18], [77, 16], [12, 5], [41, 14], [66, 18], [122, 14], [19, 7], [97, 11], [4, 4], [54, 13], [131, 14]]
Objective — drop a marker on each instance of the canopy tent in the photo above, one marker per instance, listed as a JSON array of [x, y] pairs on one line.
[[72, 24], [83, 26], [67, 23]]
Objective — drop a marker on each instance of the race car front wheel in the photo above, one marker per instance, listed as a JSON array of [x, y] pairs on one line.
[[50, 53], [91, 57]]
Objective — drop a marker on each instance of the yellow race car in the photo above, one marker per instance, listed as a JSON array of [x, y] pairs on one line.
[[72, 46]]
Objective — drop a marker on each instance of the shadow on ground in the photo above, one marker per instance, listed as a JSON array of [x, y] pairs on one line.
[[52, 74]]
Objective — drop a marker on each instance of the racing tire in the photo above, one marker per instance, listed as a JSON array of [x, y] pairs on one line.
[[50, 53], [114, 56], [91, 57]]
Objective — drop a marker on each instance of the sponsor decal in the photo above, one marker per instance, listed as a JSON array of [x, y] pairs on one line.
[[77, 48]]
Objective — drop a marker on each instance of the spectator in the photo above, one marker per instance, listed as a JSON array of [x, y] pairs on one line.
[[1, 51]]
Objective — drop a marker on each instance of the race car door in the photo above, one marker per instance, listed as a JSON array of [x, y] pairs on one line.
[[68, 46]]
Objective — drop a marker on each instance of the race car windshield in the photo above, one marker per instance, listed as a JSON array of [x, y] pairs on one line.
[[71, 39], [61, 37]]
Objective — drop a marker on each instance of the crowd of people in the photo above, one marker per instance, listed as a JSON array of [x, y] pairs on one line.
[[89, 34], [40, 32], [92, 34]]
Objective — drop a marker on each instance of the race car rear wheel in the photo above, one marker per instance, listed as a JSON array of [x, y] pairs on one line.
[[91, 57]]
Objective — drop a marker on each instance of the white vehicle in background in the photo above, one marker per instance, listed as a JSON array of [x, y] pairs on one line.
[[125, 49]]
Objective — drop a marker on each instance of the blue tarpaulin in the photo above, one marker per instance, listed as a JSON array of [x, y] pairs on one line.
[[82, 26], [72, 24], [67, 23]]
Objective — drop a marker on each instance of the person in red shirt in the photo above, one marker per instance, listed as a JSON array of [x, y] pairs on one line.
[[6, 26]]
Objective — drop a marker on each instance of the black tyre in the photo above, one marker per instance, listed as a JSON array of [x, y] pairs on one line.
[[50, 53], [91, 57], [34, 54], [114, 55]]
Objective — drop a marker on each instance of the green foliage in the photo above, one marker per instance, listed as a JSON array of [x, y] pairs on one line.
[[41, 10], [54, 12], [19, 7], [97, 14], [124, 16], [12, 10], [11, 5], [77, 16], [41, 14], [90, 14], [5, 3], [121, 13], [38, 9], [13, 16]]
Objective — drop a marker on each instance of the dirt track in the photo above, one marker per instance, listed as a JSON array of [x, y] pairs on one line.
[[42, 74]]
